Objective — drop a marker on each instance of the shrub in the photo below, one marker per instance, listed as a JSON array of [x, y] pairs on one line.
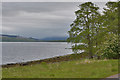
[[109, 49]]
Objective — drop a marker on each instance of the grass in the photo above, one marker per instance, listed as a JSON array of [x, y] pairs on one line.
[[67, 69]]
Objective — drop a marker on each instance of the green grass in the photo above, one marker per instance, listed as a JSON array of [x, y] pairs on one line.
[[66, 69]]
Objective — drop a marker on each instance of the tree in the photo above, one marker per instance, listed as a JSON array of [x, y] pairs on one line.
[[83, 29], [111, 17], [109, 46], [99, 32], [109, 49]]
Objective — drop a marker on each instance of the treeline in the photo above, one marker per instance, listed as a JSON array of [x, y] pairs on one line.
[[98, 31]]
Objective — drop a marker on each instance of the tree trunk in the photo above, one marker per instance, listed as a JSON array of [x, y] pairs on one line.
[[89, 45], [90, 50]]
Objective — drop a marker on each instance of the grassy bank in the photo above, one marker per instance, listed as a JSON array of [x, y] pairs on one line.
[[66, 69], [50, 60]]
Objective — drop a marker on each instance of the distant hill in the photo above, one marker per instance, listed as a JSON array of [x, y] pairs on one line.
[[15, 38]]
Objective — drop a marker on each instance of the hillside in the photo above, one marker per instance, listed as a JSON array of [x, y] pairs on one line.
[[14, 38]]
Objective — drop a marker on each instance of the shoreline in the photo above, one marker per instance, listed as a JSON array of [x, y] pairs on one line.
[[68, 57]]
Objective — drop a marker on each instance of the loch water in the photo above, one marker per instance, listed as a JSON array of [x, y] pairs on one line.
[[16, 52]]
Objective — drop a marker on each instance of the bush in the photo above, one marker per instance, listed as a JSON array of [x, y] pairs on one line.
[[110, 49]]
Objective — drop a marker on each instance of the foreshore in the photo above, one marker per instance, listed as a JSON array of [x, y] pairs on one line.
[[48, 60]]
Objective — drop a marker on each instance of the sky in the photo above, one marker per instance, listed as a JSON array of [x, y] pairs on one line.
[[39, 19]]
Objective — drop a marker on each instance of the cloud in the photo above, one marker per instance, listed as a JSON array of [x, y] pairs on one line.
[[0, 17], [55, 0], [34, 7], [38, 19]]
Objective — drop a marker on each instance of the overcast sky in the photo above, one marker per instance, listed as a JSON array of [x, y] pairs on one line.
[[39, 19]]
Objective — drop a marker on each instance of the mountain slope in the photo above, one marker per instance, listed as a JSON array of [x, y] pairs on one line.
[[14, 38]]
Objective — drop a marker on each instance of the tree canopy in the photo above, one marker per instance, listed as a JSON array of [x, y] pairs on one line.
[[89, 29]]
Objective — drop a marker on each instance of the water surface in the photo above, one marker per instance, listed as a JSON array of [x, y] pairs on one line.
[[14, 52]]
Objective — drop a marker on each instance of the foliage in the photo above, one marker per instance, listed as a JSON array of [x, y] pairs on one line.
[[111, 17], [109, 49], [83, 28], [92, 29]]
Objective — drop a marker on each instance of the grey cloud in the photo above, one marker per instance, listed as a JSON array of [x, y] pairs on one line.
[[34, 7], [38, 19]]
